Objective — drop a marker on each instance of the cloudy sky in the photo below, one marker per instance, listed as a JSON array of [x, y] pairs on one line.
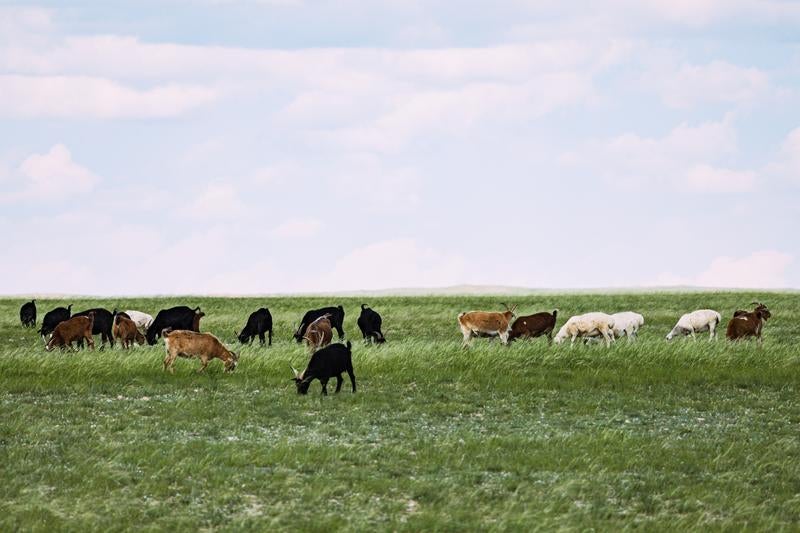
[[262, 146]]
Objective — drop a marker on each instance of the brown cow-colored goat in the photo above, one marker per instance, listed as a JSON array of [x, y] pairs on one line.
[[126, 332], [748, 323], [75, 329], [485, 323], [204, 346], [198, 314], [534, 325], [319, 333]]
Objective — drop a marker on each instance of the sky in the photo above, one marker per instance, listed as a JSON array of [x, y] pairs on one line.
[[285, 146]]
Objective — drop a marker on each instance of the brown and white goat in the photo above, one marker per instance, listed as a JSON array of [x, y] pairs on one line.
[[486, 324], [75, 329], [319, 333], [534, 325], [748, 323]]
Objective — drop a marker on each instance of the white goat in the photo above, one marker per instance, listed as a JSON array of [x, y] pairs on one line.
[[587, 325], [627, 323], [697, 322], [142, 320]]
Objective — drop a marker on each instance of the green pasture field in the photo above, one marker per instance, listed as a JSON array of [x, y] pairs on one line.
[[655, 435]]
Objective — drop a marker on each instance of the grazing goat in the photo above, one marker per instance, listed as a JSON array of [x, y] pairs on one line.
[[177, 318], [52, 319], [196, 320], [337, 321], [369, 322], [486, 323], [748, 324], [535, 325], [75, 329], [204, 346], [126, 332], [627, 323], [258, 323], [319, 333], [27, 314], [697, 322], [142, 320], [587, 325], [103, 323], [329, 362]]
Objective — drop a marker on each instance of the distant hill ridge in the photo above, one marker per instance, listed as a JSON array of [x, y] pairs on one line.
[[454, 290]]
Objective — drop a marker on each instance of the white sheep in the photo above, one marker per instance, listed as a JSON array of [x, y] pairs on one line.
[[142, 320], [627, 323], [697, 322], [587, 325]]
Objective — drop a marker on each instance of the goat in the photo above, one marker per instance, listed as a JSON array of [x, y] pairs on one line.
[[486, 323], [319, 333], [176, 318], [75, 329], [27, 314], [535, 325], [126, 332], [369, 322], [336, 318], [329, 362], [52, 319], [258, 323], [204, 346], [748, 324]]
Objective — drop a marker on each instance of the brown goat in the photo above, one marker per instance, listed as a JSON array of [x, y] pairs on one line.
[[319, 333], [748, 324], [484, 323], [76, 329], [196, 320], [126, 332], [535, 325], [204, 346]]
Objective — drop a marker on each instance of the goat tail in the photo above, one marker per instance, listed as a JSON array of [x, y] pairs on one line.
[[363, 306]]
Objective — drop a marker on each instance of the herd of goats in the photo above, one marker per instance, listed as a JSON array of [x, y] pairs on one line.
[[180, 328]]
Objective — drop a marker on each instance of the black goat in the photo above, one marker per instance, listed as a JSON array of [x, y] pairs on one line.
[[336, 318], [331, 361], [179, 317], [369, 322], [53, 318], [27, 314], [259, 323]]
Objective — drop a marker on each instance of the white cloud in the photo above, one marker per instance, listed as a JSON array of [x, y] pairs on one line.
[[718, 81], [705, 178], [216, 200], [87, 97], [684, 156], [764, 269], [394, 264], [52, 175], [787, 162], [297, 228]]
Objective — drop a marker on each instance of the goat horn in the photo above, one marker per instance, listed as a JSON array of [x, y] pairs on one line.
[[296, 373]]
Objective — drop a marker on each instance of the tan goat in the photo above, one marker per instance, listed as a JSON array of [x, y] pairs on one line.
[[204, 346], [486, 324]]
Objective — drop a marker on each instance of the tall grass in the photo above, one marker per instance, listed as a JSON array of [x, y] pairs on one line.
[[651, 434]]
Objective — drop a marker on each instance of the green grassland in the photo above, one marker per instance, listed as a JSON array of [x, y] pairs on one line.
[[656, 435]]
